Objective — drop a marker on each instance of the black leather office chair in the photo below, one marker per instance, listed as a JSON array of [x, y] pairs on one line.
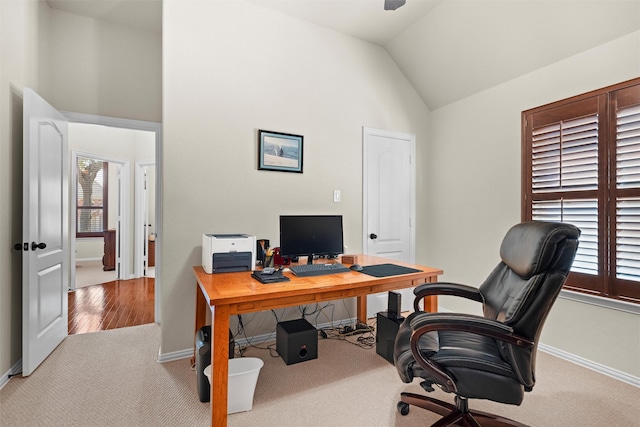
[[491, 356]]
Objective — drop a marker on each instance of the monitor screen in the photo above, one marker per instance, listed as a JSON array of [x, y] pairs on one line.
[[302, 235]]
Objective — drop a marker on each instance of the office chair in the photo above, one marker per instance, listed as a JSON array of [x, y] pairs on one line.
[[491, 356]]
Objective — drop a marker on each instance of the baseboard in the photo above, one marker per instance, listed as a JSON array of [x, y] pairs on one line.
[[597, 367], [257, 339], [586, 363], [16, 368], [175, 355]]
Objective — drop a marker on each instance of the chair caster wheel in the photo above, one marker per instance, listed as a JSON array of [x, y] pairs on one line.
[[403, 408]]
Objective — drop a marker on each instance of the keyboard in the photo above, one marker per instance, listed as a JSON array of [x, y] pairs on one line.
[[306, 270]]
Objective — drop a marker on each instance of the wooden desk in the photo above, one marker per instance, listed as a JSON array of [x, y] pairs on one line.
[[227, 294]]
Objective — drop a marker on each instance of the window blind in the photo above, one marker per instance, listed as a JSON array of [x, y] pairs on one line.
[[581, 165], [628, 208], [565, 159]]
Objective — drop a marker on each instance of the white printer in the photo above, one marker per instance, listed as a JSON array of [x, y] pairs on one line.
[[223, 253]]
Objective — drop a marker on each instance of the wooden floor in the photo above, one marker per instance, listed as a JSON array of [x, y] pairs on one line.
[[111, 305]]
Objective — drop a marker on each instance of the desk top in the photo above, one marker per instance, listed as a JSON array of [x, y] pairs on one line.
[[247, 294]]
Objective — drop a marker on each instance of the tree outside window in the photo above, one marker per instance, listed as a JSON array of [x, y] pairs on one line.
[[92, 197]]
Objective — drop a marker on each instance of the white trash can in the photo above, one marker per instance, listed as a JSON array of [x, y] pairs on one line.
[[243, 377]]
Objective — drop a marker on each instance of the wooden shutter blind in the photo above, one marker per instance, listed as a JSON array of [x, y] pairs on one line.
[[565, 155], [625, 104], [564, 169], [581, 165]]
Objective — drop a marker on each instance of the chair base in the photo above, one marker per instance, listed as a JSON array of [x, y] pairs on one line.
[[454, 415]]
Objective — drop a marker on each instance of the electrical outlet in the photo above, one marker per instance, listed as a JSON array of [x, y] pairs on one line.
[[337, 196]]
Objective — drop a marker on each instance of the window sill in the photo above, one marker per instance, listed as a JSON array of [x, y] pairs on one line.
[[609, 303]]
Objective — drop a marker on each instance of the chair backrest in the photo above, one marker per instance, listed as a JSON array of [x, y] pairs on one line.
[[536, 259]]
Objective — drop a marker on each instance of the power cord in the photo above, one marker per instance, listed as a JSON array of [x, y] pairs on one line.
[[360, 334], [363, 334]]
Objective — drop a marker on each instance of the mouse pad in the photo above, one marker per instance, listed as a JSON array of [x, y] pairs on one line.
[[384, 270]]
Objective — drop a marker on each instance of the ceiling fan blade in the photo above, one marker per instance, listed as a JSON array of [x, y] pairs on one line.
[[393, 4]]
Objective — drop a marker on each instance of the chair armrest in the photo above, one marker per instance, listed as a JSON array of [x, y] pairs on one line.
[[445, 288], [428, 322]]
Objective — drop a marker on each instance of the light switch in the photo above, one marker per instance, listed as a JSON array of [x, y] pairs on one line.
[[336, 196]]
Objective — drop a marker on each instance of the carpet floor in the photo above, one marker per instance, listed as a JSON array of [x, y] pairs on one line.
[[112, 378]]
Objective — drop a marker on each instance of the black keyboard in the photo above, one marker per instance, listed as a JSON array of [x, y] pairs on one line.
[[306, 270]]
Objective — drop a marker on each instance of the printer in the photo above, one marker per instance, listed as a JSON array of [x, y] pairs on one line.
[[224, 253]]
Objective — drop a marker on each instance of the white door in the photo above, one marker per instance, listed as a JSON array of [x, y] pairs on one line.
[[45, 258], [144, 216], [389, 204]]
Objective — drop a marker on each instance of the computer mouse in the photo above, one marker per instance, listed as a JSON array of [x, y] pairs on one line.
[[356, 267]]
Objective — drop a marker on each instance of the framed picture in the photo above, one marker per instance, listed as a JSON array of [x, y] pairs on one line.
[[279, 151]]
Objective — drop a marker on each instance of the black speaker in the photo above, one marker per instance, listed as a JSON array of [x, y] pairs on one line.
[[386, 330], [296, 341], [203, 359], [394, 304]]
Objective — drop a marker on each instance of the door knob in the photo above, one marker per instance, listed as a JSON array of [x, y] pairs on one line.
[[35, 246], [21, 247], [373, 236]]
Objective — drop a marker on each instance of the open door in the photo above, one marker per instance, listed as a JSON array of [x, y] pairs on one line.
[[45, 256]]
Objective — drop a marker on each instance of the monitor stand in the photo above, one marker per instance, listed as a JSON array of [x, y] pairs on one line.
[[310, 259]]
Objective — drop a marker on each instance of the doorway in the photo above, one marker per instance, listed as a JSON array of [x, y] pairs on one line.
[[142, 142], [99, 223]]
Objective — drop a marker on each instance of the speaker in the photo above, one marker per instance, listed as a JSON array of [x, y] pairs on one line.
[[296, 341], [387, 326], [203, 359], [394, 304]]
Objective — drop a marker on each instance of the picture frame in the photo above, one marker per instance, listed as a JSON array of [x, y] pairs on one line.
[[279, 151]]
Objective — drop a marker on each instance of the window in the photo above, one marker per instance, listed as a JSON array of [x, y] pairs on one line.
[[581, 165], [92, 197]]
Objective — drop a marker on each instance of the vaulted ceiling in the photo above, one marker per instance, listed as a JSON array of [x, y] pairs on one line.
[[448, 49]]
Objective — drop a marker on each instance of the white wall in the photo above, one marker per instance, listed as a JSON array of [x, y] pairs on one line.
[[23, 27], [231, 68], [474, 192], [104, 69]]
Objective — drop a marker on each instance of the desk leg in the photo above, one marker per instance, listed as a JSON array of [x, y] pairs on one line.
[[431, 302], [361, 309], [201, 315], [219, 365], [430, 305]]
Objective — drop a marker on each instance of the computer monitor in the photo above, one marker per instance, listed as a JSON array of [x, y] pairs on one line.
[[309, 235]]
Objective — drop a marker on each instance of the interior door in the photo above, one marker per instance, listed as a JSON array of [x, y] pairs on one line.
[[45, 256], [145, 217], [389, 204]]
